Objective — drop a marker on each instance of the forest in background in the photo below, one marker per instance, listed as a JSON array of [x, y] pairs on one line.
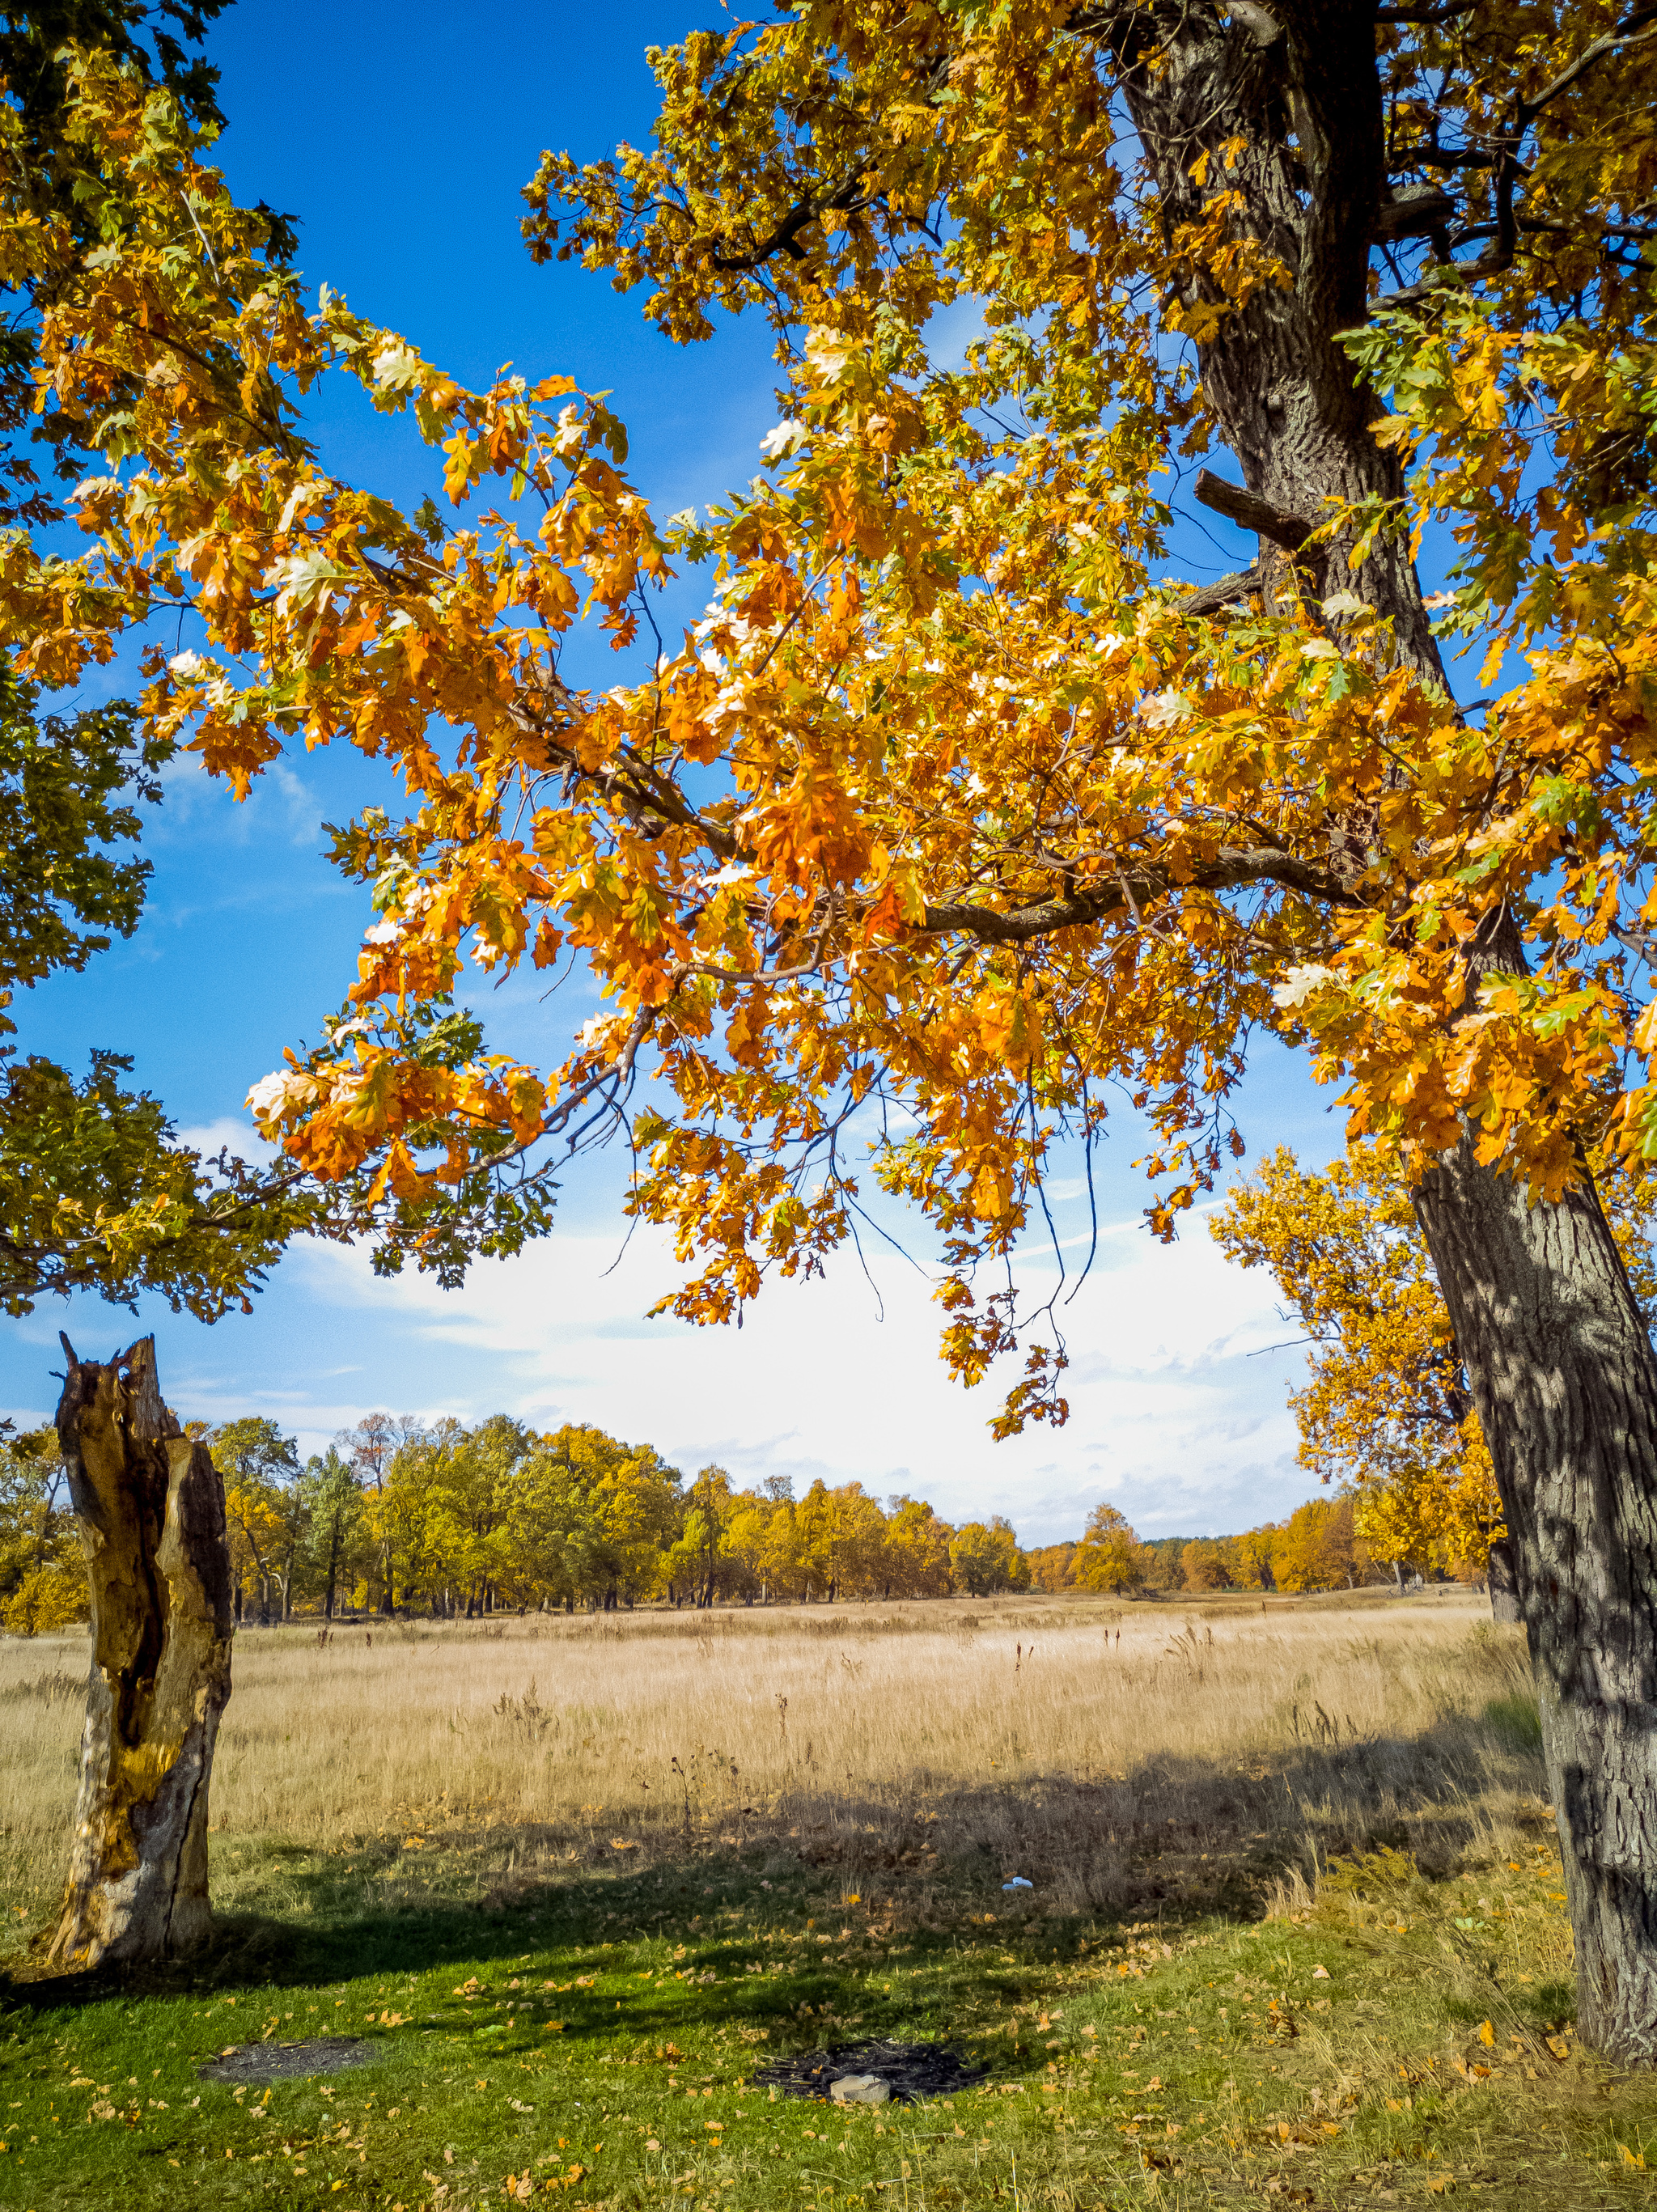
[[403, 1516]]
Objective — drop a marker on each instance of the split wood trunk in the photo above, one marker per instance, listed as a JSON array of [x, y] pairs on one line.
[[151, 1509], [1290, 98]]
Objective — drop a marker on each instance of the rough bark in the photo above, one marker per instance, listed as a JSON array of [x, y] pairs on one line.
[[1566, 1383], [1503, 1573], [1297, 98], [1560, 1362], [151, 1509]]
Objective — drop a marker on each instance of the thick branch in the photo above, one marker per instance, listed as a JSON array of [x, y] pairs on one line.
[[1634, 30], [1231, 871], [1251, 512], [1230, 591], [1418, 212], [846, 199]]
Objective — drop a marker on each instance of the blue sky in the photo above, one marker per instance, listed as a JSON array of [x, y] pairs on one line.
[[401, 137]]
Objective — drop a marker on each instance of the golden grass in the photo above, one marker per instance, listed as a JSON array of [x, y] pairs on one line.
[[1115, 1754]]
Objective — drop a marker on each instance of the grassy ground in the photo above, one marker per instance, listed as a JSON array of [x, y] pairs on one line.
[[1336, 1973]]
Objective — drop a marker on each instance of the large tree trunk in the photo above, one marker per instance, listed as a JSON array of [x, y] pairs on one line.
[[1289, 98], [1566, 1382], [151, 1507], [1502, 1574]]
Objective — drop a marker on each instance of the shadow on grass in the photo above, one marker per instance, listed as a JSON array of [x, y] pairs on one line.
[[1180, 1839]]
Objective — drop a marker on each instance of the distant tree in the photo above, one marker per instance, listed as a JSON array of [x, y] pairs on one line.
[[1318, 1549], [856, 1542], [917, 1550], [701, 1560], [552, 1526], [1205, 1566], [438, 1513], [1052, 1567], [1109, 1557], [591, 1520], [1164, 1564], [265, 1507], [985, 1558], [335, 1525], [371, 1447], [43, 1574]]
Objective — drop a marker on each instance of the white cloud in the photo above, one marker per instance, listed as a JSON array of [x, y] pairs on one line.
[[1169, 1418], [279, 803], [299, 803], [243, 1140]]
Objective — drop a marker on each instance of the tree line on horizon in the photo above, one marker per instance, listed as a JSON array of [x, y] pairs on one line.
[[440, 1520]]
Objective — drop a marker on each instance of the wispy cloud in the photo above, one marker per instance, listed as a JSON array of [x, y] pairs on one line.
[[228, 1132], [1169, 1418]]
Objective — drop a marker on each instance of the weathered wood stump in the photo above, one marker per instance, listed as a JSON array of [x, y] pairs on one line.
[[151, 1507]]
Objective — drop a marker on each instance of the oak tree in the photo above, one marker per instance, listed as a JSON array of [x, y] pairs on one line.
[[958, 809]]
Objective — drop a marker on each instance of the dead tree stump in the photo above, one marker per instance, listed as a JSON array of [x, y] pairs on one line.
[[151, 1509]]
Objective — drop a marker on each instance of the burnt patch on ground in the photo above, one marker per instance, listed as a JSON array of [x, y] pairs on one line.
[[911, 2071], [290, 2062]]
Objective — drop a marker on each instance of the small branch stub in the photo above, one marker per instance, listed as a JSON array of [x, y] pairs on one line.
[[151, 1507]]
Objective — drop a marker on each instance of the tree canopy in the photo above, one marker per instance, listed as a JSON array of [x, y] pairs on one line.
[[957, 813], [96, 1192], [953, 803]]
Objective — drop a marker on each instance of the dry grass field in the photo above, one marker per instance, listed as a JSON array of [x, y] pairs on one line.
[[1059, 1735], [1294, 1931]]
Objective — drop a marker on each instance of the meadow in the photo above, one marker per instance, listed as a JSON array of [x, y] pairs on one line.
[[1294, 1931]]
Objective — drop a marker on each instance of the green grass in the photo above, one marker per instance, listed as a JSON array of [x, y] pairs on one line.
[[1205, 2063], [1515, 1722]]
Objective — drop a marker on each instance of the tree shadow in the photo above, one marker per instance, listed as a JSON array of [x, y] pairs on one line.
[[1180, 1840]]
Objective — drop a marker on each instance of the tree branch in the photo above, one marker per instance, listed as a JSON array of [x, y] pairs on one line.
[[1445, 15], [1228, 591], [1633, 30], [1251, 512], [1418, 212], [1230, 871], [847, 199]]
